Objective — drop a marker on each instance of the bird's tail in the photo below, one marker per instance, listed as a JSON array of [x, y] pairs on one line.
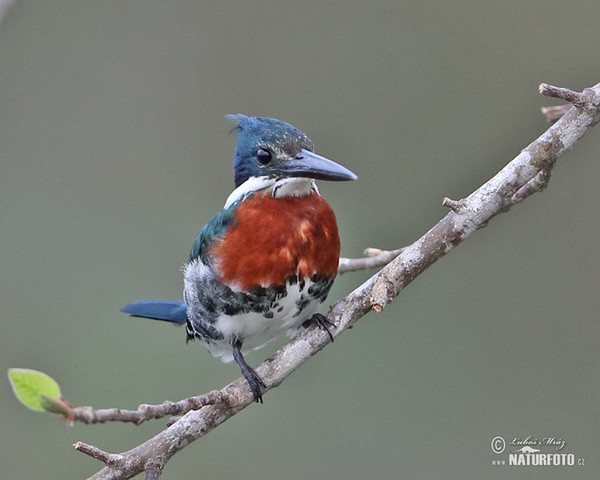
[[168, 310]]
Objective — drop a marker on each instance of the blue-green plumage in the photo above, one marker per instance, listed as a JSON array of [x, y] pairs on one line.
[[215, 228], [275, 149], [273, 160]]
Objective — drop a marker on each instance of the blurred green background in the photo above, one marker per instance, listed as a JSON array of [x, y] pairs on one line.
[[114, 152]]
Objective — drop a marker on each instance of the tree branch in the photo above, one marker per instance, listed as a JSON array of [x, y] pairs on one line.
[[554, 112], [373, 258], [144, 412], [578, 99], [526, 174]]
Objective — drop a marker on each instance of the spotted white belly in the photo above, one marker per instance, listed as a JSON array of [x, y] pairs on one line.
[[255, 330]]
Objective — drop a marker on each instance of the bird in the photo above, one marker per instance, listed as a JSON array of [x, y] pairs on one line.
[[265, 263]]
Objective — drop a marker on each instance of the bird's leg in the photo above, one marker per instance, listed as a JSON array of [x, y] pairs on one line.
[[322, 322], [250, 375]]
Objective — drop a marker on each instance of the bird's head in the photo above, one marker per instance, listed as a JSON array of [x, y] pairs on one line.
[[275, 149]]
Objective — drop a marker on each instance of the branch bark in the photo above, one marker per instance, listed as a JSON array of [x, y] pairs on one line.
[[373, 258], [526, 174], [143, 413]]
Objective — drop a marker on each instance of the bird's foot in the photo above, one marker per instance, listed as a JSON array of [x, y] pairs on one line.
[[322, 322], [254, 381]]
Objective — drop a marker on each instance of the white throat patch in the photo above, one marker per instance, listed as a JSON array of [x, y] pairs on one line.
[[293, 187], [286, 187]]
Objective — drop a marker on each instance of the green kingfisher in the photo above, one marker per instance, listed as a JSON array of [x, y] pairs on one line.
[[265, 263]]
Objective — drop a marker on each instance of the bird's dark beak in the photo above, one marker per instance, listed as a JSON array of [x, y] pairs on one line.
[[311, 165]]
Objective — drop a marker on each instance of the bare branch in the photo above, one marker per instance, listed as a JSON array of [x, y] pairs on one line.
[[536, 184], [525, 174], [576, 98], [109, 459], [555, 112], [585, 99], [374, 258], [144, 412], [453, 205], [153, 472], [495, 196]]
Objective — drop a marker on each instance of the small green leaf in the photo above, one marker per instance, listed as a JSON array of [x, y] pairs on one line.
[[29, 384]]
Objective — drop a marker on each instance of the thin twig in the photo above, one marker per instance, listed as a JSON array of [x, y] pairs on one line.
[[153, 472], [554, 112], [374, 258], [144, 412], [110, 459], [576, 98], [454, 205]]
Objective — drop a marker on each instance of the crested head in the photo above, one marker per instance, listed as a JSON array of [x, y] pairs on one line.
[[267, 147]]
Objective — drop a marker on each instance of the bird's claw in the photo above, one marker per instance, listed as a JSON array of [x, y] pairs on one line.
[[322, 322], [256, 384]]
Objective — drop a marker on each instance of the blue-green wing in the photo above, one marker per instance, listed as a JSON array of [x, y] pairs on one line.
[[215, 228]]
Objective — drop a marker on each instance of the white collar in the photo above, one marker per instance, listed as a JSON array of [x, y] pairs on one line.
[[286, 187]]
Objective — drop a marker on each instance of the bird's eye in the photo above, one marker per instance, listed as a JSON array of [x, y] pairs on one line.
[[263, 156]]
